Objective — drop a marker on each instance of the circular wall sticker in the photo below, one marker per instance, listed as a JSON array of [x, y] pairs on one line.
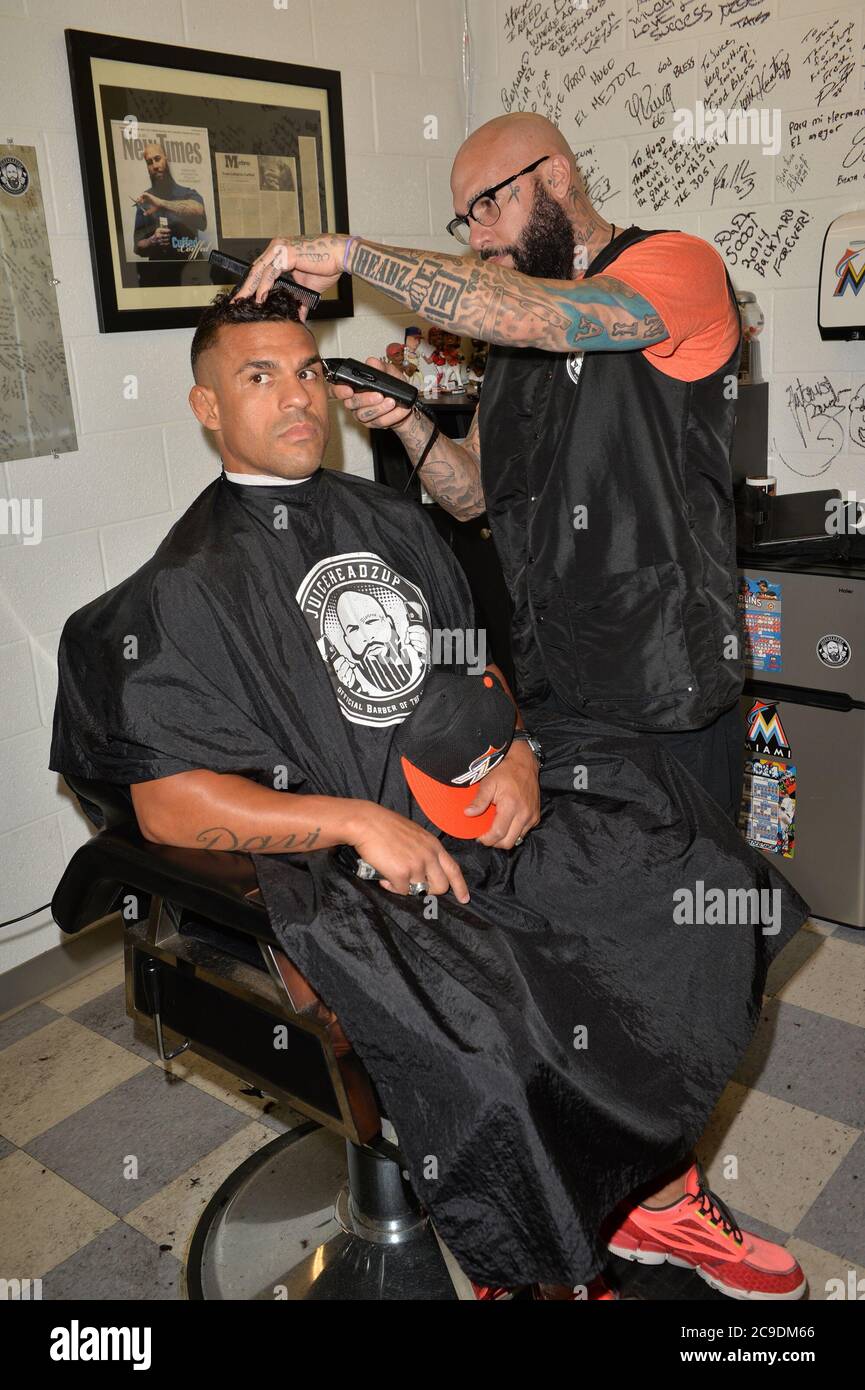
[[833, 650], [14, 177]]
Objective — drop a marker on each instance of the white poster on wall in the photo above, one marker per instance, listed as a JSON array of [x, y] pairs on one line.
[[36, 415]]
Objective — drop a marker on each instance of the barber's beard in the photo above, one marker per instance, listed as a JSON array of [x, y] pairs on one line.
[[546, 246], [385, 666]]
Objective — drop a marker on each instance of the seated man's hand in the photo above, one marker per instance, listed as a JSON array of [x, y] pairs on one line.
[[514, 787], [404, 853], [373, 408]]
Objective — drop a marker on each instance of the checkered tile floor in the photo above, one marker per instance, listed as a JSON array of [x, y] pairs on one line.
[[108, 1157]]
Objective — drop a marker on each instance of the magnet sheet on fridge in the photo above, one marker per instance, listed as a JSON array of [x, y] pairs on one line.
[[768, 815], [760, 606]]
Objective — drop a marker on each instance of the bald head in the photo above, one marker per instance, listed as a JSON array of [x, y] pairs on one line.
[[521, 132], [501, 146]]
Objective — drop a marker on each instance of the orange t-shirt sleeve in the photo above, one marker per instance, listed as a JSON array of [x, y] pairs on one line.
[[683, 279]]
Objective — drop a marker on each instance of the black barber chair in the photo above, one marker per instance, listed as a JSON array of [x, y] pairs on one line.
[[322, 1212]]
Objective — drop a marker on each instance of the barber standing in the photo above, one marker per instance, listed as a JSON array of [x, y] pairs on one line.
[[600, 449]]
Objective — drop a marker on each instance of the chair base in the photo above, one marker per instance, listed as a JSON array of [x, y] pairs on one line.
[[283, 1226]]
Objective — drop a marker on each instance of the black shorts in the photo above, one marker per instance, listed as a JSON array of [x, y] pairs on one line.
[[714, 756]]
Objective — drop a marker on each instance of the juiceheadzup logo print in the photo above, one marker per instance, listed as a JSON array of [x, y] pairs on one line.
[[372, 628], [14, 178], [833, 649]]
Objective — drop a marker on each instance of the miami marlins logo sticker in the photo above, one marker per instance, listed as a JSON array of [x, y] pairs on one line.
[[850, 274], [372, 628], [766, 732]]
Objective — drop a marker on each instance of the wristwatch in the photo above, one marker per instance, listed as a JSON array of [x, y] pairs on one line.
[[534, 744]]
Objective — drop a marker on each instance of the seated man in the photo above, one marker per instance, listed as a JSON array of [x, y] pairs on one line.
[[554, 1018]]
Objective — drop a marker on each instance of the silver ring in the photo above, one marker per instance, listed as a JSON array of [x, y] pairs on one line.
[[418, 890], [519, 840]]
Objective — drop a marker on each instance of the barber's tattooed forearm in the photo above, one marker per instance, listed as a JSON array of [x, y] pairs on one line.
[[420, 282], [451, 473], [586, 328], [219, 837], [502, 306]]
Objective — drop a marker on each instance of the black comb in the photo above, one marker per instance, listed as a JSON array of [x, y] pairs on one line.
[[235, 266]]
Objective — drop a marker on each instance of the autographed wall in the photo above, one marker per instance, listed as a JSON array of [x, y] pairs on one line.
[[648, 94]]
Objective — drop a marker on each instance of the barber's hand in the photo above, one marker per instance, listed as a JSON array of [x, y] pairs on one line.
[[345, 670], [312, 261], [373, 408], [403, 853], [514, 787], [148, 202], [417, 637]]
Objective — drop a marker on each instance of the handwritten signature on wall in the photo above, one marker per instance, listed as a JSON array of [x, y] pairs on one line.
[[829, 420]]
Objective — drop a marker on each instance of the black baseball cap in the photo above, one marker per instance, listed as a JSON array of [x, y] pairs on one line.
[[459, 731]]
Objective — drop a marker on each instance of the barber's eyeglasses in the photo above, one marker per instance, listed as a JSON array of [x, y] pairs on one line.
[[484, 208]]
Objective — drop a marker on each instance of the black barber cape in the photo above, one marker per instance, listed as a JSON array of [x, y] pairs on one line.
[[563, 1037]]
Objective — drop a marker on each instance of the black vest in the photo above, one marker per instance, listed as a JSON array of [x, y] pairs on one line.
[[625, 611]]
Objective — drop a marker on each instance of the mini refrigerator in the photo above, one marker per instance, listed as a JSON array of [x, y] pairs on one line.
[[804, 712]]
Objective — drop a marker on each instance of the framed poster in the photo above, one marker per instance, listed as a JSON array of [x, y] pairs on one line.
[[184, 151]]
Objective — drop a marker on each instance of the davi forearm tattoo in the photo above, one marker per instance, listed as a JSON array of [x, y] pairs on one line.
[[220, 837], [500, 305]]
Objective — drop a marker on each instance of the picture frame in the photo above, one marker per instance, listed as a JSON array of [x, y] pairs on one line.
[[184, 151]]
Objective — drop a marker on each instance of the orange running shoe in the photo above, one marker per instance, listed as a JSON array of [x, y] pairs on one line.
[[491, 1293], [699, 1232]]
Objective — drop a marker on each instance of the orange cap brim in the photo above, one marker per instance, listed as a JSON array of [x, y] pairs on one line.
[[445, 805]]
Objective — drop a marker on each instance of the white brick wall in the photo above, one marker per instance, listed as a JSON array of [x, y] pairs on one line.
[[140, 463]]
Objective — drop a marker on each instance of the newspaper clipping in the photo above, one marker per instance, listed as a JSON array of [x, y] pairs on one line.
[[265, 195]]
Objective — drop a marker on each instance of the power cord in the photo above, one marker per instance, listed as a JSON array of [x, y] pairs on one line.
[[13, 920]]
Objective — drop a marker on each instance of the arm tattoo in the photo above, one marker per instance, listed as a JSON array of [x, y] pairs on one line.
[[190, 208], [219, 837], [451, 473], [502, 306]]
